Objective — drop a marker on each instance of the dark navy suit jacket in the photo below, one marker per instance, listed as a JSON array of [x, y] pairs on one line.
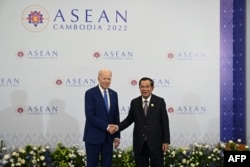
[[98, 118]]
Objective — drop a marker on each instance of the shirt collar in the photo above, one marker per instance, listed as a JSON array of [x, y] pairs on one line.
[[148, 99], [101, 89]]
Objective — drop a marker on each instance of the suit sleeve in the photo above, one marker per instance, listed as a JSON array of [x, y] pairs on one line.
[[117, 118], [165, 123], [128, 120]]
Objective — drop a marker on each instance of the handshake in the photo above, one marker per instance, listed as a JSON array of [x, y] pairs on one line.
[[112, 128]]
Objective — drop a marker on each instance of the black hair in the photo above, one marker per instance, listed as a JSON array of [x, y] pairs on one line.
[[145, 79]]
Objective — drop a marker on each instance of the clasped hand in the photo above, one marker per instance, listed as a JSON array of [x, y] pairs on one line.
[[112, 128]]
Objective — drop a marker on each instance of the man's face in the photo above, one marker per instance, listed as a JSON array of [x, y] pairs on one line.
[[146, 88], [105, 79]]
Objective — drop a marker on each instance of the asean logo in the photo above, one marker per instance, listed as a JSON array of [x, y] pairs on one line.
[[20, 110], [96, 55], [59, 82], [133, 82], [35, 18]]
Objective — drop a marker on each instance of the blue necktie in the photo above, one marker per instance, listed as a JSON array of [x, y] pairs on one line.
[[106, 100]]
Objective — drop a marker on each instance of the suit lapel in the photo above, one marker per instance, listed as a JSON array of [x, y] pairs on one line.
[[151, 105], [140, 105], [111, 99], [101, 98]]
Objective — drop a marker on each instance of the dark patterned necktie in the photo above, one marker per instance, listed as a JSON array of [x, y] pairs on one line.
[[145, 108]]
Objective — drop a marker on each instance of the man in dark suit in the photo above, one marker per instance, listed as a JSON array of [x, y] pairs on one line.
[[99, 117], [151, 136]]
